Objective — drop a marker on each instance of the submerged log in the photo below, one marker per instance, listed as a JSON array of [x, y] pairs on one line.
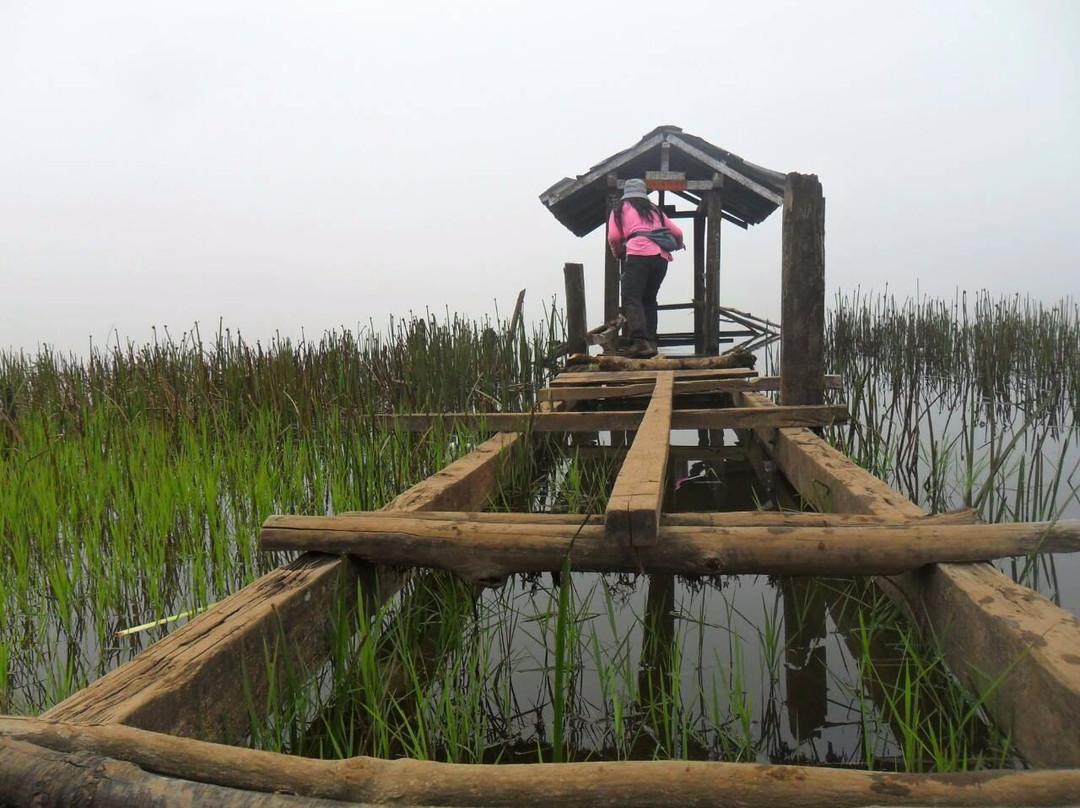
[[481, 551], [738, 359], [647, 784]]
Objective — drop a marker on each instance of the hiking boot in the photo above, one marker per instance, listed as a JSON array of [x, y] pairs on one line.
[[640, 349]]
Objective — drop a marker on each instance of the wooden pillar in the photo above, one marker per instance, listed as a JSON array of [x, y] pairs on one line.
[[576, 328], [611, 263], [802, 333], [699, 280], [713, 204]]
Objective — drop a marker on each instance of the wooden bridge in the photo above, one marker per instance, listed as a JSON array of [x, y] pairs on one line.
[[160, 727]]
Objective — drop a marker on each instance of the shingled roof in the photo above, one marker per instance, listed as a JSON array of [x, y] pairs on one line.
[[751, 192]]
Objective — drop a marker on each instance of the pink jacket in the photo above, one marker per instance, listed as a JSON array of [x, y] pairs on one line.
[[638, 245]]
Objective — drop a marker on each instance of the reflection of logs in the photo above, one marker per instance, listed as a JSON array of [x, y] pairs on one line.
[[648, 784], [805, 671], [658, 666]]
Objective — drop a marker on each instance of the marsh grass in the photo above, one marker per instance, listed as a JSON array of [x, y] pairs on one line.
[[133, 480]]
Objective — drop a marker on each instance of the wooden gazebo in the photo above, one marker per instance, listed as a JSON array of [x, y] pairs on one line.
[[720, 186]]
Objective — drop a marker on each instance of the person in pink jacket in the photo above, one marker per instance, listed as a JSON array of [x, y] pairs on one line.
[[644, 263]]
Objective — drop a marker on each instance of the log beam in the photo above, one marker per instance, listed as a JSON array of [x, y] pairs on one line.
[[643, 784], [597, 376], [729, 418], [682, 388], [198, 680], [633, 509], [485, 550]]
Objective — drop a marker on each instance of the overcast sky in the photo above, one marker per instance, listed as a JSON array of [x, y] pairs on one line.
[[313, 165]]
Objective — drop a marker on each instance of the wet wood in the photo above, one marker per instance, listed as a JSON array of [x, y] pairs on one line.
[[198, 681], [739, 359], [633, 509], [482, 550], [802, 354], [710, 337], [576, 319], [597, 376], [645, 388], [727, 418], [647, 784], [1005, 641]]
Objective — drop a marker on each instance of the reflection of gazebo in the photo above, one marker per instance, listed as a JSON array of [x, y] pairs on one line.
[[719, 185]]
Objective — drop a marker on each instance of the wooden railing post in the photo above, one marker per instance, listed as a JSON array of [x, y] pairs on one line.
[[611, 263], [802, 334], [576, 328]]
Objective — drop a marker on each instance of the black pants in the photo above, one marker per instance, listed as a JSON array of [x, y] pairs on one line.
[[641, 279]]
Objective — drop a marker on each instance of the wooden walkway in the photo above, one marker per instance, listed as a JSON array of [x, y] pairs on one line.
[[191, 685]]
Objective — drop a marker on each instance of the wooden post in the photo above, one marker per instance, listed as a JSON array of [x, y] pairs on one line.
[[576, 327], [802, 357], [713, 204], [611, 263], [699, 280]]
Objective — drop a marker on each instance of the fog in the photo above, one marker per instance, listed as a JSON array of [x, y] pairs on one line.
[[293, 167]]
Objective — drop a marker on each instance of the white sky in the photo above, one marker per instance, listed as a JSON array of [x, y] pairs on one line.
[[311, 165]]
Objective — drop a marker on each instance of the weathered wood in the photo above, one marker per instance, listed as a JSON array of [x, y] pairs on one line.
[[611, 264], [198, 680], [576, 320], [633, 509], [764, 384], [739, 359], [481, 551], [37, 777], [615, 377], [711, 320], [726, 170], [642, 784], [802, 338], [699, 280], [967, 516], [1000, 638], [728, 418]]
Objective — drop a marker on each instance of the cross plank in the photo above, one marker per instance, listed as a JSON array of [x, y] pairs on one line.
[[642, 389], [612, 376]]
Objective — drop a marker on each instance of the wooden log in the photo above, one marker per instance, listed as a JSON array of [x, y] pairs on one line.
[[802, 338], [37, 777], [481, 551], [633, 509], [597, 376], [1005, 641], [642, 389], [576, 320], [967, 516], [198, 680], [699, 280], [727, 418], [644, 784], [738, 359]]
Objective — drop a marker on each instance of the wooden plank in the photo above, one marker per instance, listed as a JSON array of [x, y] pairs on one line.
[[482, 550], [576, 319], [726, 170], [739, 359], [197, 680], [727, 418], [607, 168], [763, 384], [633, 509], [802, 339], [643, 784], [618, 376], [1000, 638]]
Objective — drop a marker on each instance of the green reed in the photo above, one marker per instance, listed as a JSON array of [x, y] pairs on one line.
[[133, 479]]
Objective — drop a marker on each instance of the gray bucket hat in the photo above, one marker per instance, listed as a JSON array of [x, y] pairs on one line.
[[635, 189]]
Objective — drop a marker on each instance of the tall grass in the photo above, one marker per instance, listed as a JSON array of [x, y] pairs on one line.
[[133, 480]]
